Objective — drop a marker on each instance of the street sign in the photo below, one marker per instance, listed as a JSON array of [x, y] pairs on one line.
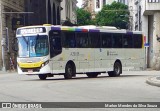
[[146, 44]]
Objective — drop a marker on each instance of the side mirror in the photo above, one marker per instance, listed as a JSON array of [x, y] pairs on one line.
[[15, 44]]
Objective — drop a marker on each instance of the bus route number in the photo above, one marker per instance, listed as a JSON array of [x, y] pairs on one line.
[[74, 53]]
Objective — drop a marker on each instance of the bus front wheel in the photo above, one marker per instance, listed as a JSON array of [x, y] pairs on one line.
[[42, 76], [116, 71], [69, 71]]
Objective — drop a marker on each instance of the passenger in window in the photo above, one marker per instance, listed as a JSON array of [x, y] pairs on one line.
[[109, 43], [125, 43], [120, 43], [104, 43], [72, 43]]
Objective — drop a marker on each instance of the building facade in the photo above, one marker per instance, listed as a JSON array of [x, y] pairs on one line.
[[94, 6], [9, 10], [135, 9], [151, 28], [44, 12], [146, 14], [89, 5], [68, 11]]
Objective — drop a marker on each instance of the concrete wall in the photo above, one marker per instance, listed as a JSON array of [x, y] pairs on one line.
[[156, 44]]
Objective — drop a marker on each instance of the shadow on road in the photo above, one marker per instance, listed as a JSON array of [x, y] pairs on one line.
[[86, 78]]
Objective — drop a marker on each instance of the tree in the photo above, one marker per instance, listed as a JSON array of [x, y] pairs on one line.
[[83, 17], [115, 14]]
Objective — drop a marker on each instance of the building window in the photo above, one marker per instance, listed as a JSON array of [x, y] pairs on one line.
[[104, 2], [97, 4]]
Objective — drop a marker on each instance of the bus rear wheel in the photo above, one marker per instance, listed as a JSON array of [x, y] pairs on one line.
[[69, 71], [116, 71], [92, 75], [42, 76]]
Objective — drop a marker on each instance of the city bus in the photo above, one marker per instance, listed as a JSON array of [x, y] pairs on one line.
[[48, 50]]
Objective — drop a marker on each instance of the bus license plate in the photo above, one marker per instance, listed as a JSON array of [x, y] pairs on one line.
[[30, 70]]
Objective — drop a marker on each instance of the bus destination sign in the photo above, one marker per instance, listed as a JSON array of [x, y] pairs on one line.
[[31, 30]]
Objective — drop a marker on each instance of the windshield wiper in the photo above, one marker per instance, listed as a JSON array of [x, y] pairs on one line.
[[25, 40]]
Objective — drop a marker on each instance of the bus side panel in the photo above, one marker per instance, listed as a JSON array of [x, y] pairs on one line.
[[86, 60], [106, 60], [135, 59], [98, 59], [117, 54], [102, 60]]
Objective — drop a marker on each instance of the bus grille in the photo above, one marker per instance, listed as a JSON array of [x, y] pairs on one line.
[[34, 70]]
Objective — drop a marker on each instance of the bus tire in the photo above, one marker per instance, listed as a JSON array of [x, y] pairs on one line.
[[42, 76], [117, 70], [69, 71], [92, 75]]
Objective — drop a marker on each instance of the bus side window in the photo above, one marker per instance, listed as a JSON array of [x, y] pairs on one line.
[[117, 40], [106, 40], [127, 41], [82, 40], [137, 40], [69, 40], [55, 43], [94, 40]]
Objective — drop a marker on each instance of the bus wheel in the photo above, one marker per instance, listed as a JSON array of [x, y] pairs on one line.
[[117, 70], [69, 71], [92, 75], [42, 76]]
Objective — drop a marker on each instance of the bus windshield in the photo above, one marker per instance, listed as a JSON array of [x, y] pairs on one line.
[[33, 46]]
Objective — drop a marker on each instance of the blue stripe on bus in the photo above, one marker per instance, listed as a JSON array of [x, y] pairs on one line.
[[78, 30]]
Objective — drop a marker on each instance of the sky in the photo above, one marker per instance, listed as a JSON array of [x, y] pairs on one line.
[[79, 3]]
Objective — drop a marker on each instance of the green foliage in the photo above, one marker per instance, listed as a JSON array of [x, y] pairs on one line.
[[84, 17], [113, 15]]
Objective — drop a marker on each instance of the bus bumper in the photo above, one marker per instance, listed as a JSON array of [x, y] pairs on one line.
[[36, 71]]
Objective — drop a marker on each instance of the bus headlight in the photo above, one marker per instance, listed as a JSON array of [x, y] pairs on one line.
[[45, 63]]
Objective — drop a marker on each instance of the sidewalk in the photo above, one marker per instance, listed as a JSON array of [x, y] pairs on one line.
[[155, 81]]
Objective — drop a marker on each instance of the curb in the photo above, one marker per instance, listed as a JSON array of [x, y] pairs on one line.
[[153, 81]]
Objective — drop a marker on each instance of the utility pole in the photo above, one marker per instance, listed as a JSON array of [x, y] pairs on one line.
[[3, 54]]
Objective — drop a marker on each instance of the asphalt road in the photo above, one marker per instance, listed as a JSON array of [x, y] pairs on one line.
[[129, 87]]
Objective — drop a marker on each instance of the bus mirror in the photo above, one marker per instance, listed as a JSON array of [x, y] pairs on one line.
[[15, 44]]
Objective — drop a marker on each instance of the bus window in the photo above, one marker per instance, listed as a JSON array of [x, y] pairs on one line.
[[137, 40], [117, 41], [127, 41], [82, 40], [55, 43], [94, 40], [69, 40], [106, 40]]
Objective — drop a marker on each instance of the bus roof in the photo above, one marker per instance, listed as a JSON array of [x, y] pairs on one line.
[[87, 28]]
